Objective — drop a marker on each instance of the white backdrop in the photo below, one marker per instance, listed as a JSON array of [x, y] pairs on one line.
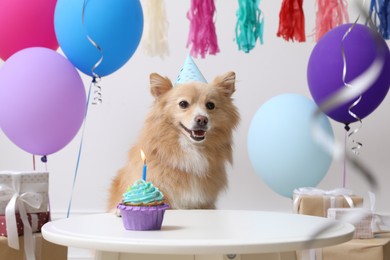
[[271, 69]]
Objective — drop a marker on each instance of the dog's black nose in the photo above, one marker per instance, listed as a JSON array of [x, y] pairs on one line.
[[201, 120]]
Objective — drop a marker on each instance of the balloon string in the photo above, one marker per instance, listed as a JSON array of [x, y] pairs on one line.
[[79, 152], [345, 158], [97, 99], [33, 159]]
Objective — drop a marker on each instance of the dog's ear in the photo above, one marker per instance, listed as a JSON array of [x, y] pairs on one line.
[[159, 85], [226, 82]]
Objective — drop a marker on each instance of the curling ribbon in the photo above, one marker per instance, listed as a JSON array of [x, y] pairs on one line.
[[292, 21], [155, 39], [330, 13], [380, 12], [356, 102], [202, 33], [250, 24], [97, 99]]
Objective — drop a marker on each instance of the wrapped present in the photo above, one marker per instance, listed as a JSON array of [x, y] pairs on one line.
[[44, 250], [36, 220], [377, 248], [316, 202], [22, 193], [32, 186], [362, 220]]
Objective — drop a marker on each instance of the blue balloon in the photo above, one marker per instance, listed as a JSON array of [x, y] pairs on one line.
[[116, 26], [281, 146]]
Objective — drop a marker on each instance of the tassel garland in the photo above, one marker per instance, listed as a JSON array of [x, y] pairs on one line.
[[380, 11], [292, 21], [330, 13], [250, 24], [155, 36], [202, 33]]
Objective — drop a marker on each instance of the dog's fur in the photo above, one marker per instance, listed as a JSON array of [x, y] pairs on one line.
[[187, 143]]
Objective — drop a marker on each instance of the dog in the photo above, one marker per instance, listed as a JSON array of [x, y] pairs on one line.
[[187, 139]]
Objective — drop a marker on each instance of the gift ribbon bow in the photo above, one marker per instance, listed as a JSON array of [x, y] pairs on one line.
[[17, 201], [380, 223], [315, 191]]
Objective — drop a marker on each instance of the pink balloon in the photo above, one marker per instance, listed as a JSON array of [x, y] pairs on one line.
[[26, 23], [42, 100]]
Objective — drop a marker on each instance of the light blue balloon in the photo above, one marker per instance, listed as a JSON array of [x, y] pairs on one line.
[[116, 26], [281, 146]]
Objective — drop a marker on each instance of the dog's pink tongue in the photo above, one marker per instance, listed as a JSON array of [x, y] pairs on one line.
[[199, 133]]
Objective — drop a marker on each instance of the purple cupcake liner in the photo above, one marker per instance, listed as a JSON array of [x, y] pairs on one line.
[[142, 217]]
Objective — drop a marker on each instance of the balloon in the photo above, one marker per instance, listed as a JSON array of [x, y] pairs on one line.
[[281, 147], [26, 23], [42, 100], [325, 69], [115, 26]]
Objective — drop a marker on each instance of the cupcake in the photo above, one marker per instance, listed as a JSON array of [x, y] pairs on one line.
[[142, 207]]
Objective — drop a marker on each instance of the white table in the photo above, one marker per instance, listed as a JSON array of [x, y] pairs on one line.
[[199, 232]]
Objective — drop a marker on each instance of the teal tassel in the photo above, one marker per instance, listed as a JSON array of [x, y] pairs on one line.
[[250, 24]]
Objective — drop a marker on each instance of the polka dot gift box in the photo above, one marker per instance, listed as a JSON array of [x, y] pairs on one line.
[[24, 203]]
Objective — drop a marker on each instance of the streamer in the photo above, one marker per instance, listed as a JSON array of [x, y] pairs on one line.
[[250, 24], [330, 13], [292, 21], [202, 35], [155, 35]]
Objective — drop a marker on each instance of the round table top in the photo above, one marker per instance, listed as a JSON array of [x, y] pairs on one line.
[[201, 232]]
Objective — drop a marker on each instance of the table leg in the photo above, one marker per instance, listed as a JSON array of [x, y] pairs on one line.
[[102, 255]]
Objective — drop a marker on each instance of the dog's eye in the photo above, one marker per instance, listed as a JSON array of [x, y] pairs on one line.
[[210, 105], [183, 104]]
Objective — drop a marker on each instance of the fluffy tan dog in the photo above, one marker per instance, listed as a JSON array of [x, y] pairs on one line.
[[187, 140]]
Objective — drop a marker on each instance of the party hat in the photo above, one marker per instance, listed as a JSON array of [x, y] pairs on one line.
[[189, 73]]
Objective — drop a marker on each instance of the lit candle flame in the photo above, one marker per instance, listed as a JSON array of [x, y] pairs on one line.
[[143, 157]]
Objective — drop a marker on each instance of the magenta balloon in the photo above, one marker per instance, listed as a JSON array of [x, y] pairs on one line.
[[42, 100], [325, 69], [26, 23]]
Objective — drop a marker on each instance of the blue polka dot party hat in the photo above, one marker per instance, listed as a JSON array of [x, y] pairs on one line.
[[189, 73]]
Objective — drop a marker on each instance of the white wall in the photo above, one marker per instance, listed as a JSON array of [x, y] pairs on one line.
[[271, 69]]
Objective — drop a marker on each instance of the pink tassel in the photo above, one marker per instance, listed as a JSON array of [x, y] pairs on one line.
[[330, 13], [202, 33]]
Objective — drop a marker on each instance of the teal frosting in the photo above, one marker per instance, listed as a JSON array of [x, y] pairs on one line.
[[142, 192]]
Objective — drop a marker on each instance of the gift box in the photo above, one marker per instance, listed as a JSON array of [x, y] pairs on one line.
[[23, 193], [377, 248], [32, 187], [36, 220], [360, 218], [316, 202], [44, 250]]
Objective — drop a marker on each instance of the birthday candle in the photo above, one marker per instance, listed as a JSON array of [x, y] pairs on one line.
[[144, 167]]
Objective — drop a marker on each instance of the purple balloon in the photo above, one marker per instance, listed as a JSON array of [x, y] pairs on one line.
[[42, 100], [325, 69]]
